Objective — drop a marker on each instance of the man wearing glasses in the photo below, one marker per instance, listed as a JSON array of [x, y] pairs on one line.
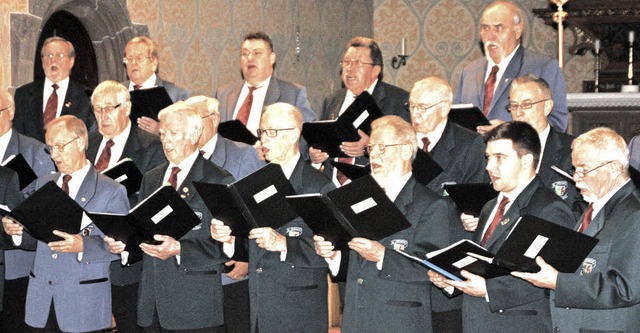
[[531, 101], [288, 283], [39, 102], [361, 69], [385, 291], [503, 303], [603, 294], [115, 140], [142, 62], [69, 287]]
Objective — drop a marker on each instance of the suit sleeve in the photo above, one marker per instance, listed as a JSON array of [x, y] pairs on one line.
[[302, 103]]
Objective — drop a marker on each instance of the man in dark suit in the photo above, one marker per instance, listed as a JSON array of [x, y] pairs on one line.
[[17, 261], [115, 140], [504, 303], [288, 283], [180, 289], [531, 102], [69, 287], [501, 30], [40, 101], [602, 295], [240, 160], [385, 291], [362, 69], [142, 62]]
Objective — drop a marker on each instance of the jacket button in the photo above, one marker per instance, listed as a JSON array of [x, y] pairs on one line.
[[556, 329], [259, 270], [54, 256], [360, 280], [50, 282]]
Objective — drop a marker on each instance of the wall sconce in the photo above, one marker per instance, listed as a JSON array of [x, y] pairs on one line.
[[400, 59]]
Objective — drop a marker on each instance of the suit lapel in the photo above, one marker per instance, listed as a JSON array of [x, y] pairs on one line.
[[132, 144], [296, 176], [87, 188], [598, 221], [232, 100], [219, 155], [186, 189], [13, 147], [379, 94], [94, 145], [441, 152], [480, 74], [405, 197], [552, 151], [337, 104], [512, 72], [273, 92]]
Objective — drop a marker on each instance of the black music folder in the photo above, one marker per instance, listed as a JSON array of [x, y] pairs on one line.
[[48, 209], [352, 171], [471, 197], [118, 227], [126, 173], [425, 169], [634, 174], [468, 116], [148, 102], [328, 135], [257, 200], [563, 248], [235, 130], [18, 164], [358, 209]]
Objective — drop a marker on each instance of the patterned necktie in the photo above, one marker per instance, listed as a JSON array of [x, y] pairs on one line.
[[586, 218], [245, 109], [425, 144], [173, 177], [65, 183], [489, 87], [496, 219], [342, 178], [51, 108], [105, 156]]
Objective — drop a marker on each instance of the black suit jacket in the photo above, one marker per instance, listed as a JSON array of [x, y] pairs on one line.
[[29, 117], [513, 301]]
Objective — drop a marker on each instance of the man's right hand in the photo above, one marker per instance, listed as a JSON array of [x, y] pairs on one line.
[[220, 232], [324, 248], [115, 247], [469, 222], [317, 155], [11, 227]]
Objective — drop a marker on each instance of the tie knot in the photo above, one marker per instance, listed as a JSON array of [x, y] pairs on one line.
[[175, 170], [203, 152], [503, 203], [66, 179], [425, 144], [55, 86], [252, 89], [136, 86], [495, 69], [109, 143]]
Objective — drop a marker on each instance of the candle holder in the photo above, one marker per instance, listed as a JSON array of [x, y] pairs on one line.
[[399, 60], [559, 16], [596, 50], [630, 87]]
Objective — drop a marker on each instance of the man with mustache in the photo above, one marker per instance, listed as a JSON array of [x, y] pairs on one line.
[[43, 100], [485, 82]]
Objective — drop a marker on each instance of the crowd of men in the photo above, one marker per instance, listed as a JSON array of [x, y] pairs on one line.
[[275, 280]]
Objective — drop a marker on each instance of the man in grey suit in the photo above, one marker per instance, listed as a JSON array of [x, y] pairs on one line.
[[361, 69], [240, 160], [180, 288], [115, 140], [634, 152], [288, 283], [142, 61], [17, 261], [505, 303], [501, 28], [69, 287], [42, 100], [385, 291], [531, 102], [602, 295]]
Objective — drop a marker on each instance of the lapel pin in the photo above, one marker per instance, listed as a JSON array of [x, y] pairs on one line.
[[83, 199], [505, 221], [185, 189], [67, 105]]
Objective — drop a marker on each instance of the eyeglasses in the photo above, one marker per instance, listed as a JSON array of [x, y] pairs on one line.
[[207, 116], [381, 147], [58, 148], [6, 108], [50, 57], [138, 59], [422, 108], [107, 109], [525, 105], [356, 63], [271, 132], [581, 174]]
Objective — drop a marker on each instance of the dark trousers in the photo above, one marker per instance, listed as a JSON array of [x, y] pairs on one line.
[[125, 307], [52, 324], [14, 299], [236, 307], [447, 321], [155, 327]]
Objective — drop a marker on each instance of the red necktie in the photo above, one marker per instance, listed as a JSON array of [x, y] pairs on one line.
[[173, 177], [105, 156], [586, 218], [425, 144], [489, 88], [51, 108], [496, 219], [339, 175], [136, 86], [65, 183], [245, 109]]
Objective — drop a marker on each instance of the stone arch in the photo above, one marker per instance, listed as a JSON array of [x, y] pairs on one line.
[[107, 22]]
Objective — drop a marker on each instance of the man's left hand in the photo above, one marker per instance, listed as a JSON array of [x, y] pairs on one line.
[[149, 125], [269, 239], [368, 249], [356, 148], [474, 285], [545, 278], [70, 244], [167, 249]]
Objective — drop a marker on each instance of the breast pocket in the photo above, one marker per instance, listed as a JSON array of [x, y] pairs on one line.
[[597, 260]]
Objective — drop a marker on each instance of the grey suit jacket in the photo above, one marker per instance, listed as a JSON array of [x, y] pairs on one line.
[[634, 152], [398, 297], [29, 117], [291, 295], [237, 158], [176, 92], [10, 196], [603, 295], [187, 295], [514, 303], [471, 85], [79, 289], [278, 91]]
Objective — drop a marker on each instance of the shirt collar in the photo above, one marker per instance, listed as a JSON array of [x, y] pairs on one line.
[[393, 188], [514, 194], [120, 139], [187, 163], [149, 83], [433, 136], [505, 61], [210, 146], [77, 177], [289, 166], [599, 204], [62, 84], [4, 143], [262, 84]]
